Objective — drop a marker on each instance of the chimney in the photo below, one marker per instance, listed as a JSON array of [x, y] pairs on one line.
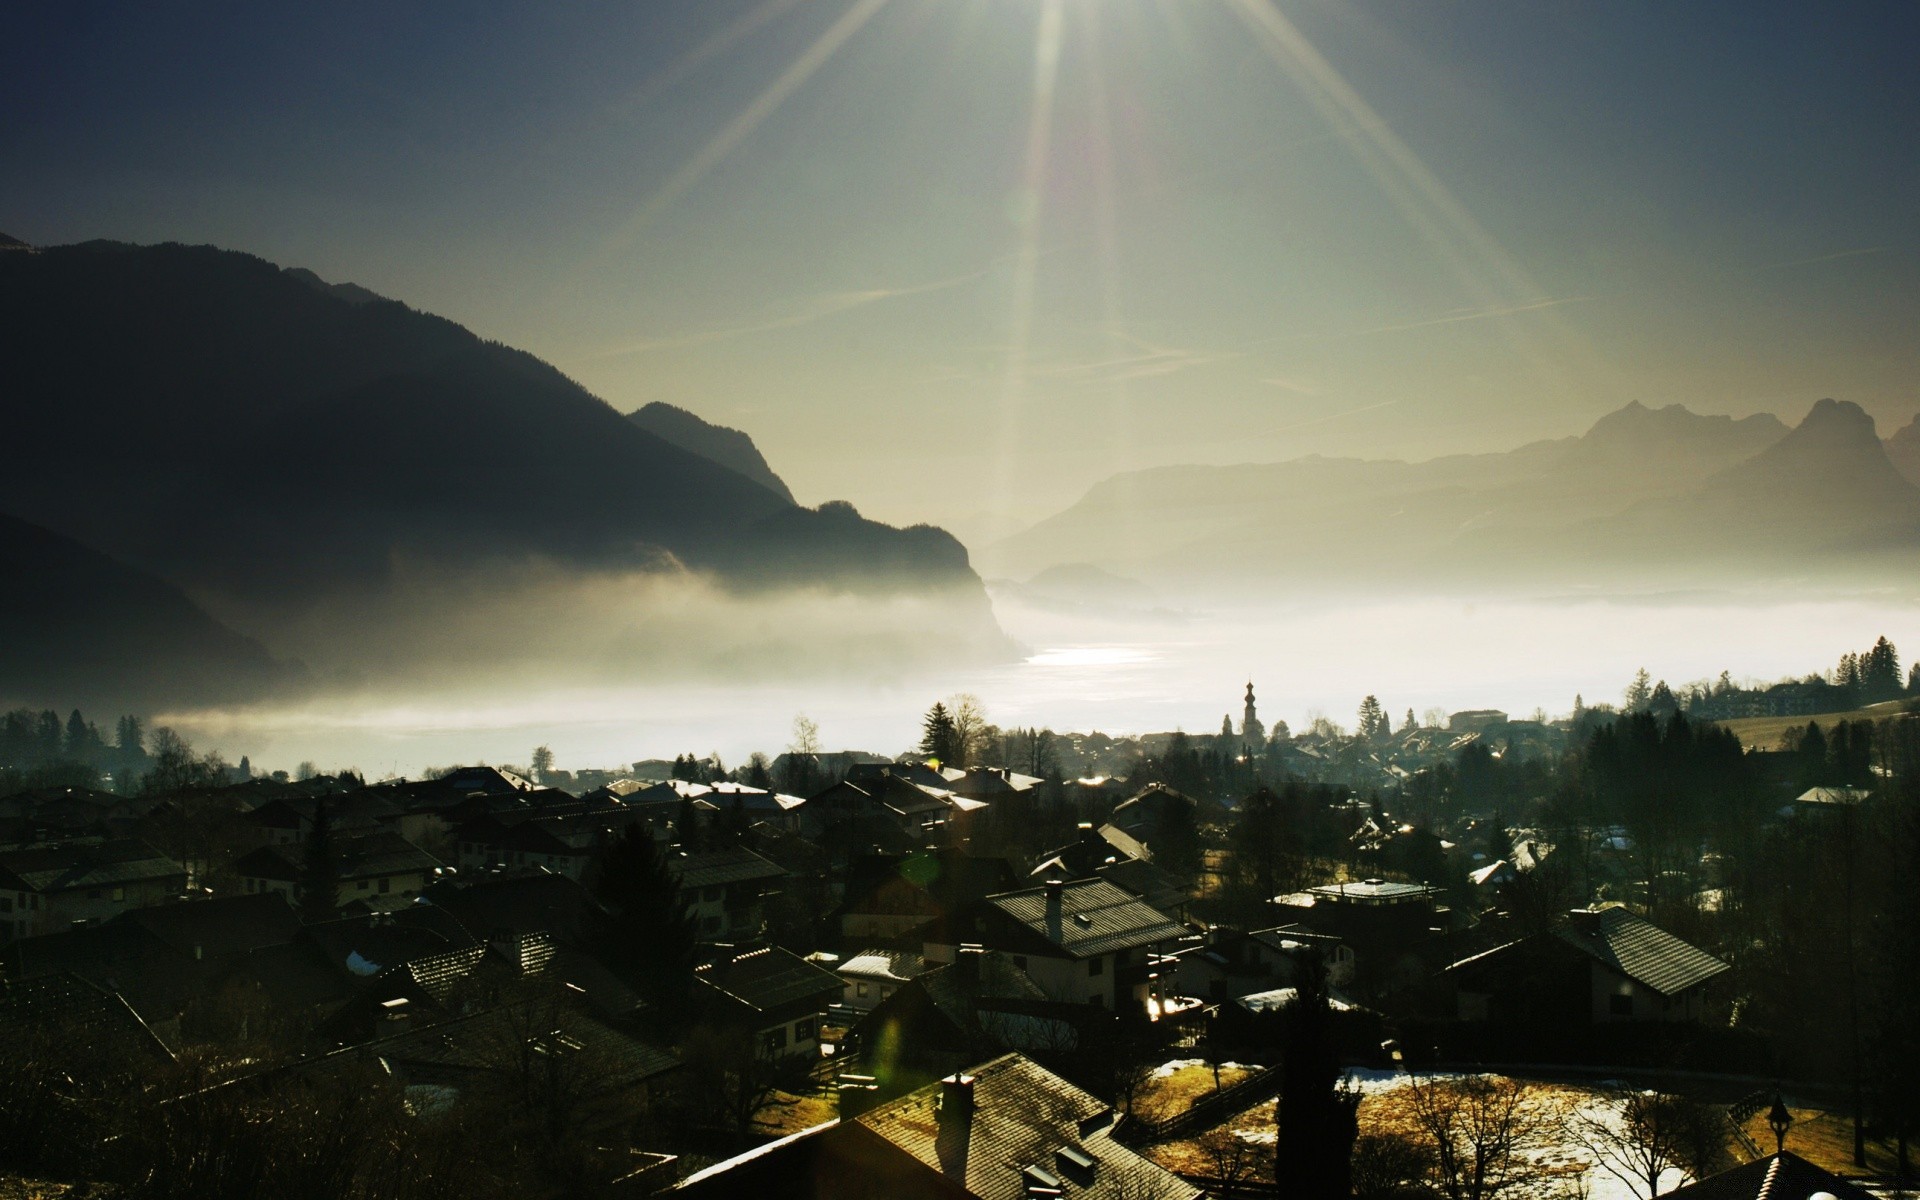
[[1055, 889], [1587, 921], [956, 1125], [966, 963]]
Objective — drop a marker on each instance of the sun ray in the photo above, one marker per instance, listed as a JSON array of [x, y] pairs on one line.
[[1476, 258], [737, 130], [1028, 207], [715, 44]]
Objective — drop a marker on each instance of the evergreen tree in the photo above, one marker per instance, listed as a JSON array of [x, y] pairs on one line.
[[1913, 680], [1880, 673], [1662, 703], [1313, 1146], [1373, 719], [320, 870], [938, 737], [757, 775], [1639, 691], [639, 925], [686, 826], [1411, 723]]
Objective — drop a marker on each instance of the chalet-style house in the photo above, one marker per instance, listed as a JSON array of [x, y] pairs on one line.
[[890, 897], [1397, 931], [1600, 965], [1231, 963], [1086, 941], [49, 889], [873, 975], [381, 870], [724, 891], [772, 994], [1005, 1130]]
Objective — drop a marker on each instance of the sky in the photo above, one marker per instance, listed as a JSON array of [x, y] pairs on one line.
[[957, 260]]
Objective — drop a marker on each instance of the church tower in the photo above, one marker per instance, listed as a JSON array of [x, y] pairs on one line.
[[1251, 730]]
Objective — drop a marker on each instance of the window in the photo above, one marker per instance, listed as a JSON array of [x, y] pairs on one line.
[[1620, 1004], [119, 893], [1096, 966], [714, 895], [859, 989], [6, 904], [803, 1029], [365, 885], [776, 1040], [386, 883]]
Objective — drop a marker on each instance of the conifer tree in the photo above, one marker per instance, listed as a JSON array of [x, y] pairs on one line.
[[639, 925], [1313, 1147], [938, 736], [320, 870]]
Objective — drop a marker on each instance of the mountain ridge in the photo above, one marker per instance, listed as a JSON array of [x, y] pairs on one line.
[[731, 448]]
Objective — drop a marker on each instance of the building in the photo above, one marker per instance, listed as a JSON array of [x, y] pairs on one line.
[[873, 975], [380, 870], [724, 891], [774, 995], [1086, 941], [1007, 1129], [1600, 965], [50, 888], [1397, 931], [1781, 1176]]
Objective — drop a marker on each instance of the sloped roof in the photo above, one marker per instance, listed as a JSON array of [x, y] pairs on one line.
[[769, 979], [719, 867], [1640, 950], [376, 854], [838, 1160], [1146, 881], [219, 925], [534, 903], [1024, 1116], [1093, 917], [105, 864], [1783, 1176], [957, 994], [900, 965]]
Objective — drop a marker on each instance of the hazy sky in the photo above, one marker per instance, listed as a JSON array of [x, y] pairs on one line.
[[946, 257]]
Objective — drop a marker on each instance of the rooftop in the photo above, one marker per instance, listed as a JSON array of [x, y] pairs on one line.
[[1092, 917], [1639, 949]]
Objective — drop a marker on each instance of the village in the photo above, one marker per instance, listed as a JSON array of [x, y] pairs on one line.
[[940, 974]]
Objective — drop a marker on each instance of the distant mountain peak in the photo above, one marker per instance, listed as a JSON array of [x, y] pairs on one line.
[[12, 243], [729, 448]]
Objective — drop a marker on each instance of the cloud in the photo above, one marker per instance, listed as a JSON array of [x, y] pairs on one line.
[[1477, 314]]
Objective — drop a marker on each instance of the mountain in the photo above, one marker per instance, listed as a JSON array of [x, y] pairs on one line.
[[1340, 521], [730, 448], [84, 629], [1903, 449], [1824, 492], [278, 447]]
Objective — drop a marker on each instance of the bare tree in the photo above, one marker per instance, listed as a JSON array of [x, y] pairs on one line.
[[969, 728], [1640, 1136], [1475, 1127], [806, 736], [1387, 1166], [1232, 1159]]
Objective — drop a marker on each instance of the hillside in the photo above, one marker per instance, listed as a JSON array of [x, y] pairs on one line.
[[1903, 449], [730, 448], [84, 629], [275, 446], [1338, 522]]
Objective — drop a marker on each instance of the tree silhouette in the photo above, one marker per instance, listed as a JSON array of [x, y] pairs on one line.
[[938, 737], [639, 925], [320, 870]]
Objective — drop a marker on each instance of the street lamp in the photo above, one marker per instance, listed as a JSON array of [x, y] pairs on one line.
[[1778, 1120]]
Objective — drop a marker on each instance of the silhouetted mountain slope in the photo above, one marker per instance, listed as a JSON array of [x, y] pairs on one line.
[[1645, 498], [84, 629], [1903, 448], [730, 448], [269, 441]]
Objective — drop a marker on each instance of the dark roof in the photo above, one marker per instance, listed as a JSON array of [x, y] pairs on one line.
[[770, 979], [957, 993], [719, 867], [840, 1160], [1146, 881], [221, 925], [1093, 917], [489, 1041], [90, 1027], [368, 944], [1640, 950], [512, 904], [1783, 1176], [1025, 1117], [104, 864], [376, 854]]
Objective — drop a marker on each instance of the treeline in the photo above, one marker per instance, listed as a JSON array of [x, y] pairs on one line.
[[39, 750]]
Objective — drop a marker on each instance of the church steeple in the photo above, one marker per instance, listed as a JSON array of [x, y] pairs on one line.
[[1251, 730]]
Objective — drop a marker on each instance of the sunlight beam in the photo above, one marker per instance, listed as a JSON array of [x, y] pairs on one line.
[[737, 130], [1046, 74]]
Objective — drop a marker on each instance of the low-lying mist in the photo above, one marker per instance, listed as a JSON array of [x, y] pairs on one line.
[[608, 670]]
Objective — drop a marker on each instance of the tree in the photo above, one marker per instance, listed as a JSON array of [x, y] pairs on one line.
[[1411, 724], [1316, 1114], [542, 763], [1880, 673], [969, 729], [1475, 1129], [320, 870], [1373, 720], [639, 925], [757, 775], [938, 738], [1639, 692], [1646, 1135]]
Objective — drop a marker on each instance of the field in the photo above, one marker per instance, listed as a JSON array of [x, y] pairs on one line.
[[1764, 733], [1559, 1164]]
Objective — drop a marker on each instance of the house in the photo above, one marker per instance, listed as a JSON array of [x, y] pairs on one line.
[[873, 975], [1397, 931], [1156, 809], [1600, 965], [47, 889], [1005, 1130], [1232, 963], [1084, 941], [724, 889], [775, 995], [890, 897], [978, 1006], [1010, 1128], [381, 870], [1111, 853], [1781, 1176]]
